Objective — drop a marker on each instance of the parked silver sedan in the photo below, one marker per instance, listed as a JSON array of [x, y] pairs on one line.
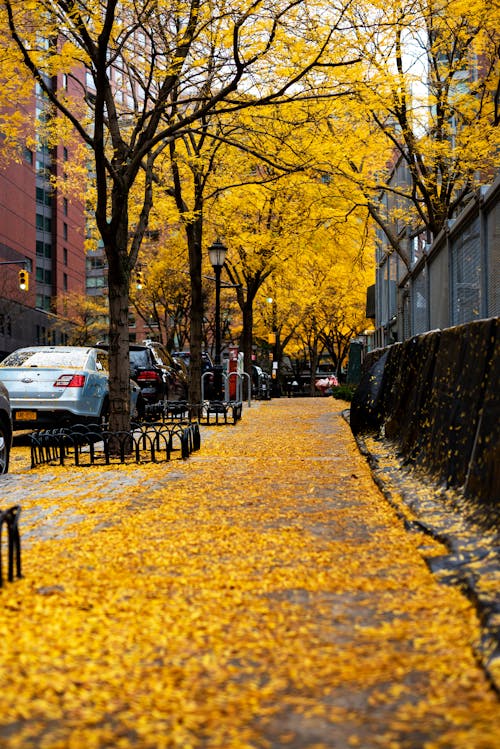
[[53, 385]]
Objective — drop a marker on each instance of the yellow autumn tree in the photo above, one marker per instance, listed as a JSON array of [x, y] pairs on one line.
[[320, 294], [147, 75], [421, 127], [84, 320], [163, 301]]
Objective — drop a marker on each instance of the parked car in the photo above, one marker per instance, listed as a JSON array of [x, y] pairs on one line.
[[206, 361], [5, 429], [206, 366], [161, 376], [326, 384], [261, 383], [55, 385]]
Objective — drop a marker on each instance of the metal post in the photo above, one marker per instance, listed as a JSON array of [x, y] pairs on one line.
[[217, 253], [219, 395]]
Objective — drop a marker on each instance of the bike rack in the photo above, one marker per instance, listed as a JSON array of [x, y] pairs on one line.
[[240, 376], [221, 412], [90, 444], [166, 411]]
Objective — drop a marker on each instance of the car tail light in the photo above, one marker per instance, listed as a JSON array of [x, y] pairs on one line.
[[148, 375], [70, 381]]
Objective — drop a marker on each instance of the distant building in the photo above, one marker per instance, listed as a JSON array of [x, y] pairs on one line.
[[45, 230]]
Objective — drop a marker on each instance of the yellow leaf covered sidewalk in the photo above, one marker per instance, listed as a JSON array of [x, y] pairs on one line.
[[260, 594]]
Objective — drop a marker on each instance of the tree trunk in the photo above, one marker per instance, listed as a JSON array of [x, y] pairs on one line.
[[119, 366], [247, 340], [194, 234], [314, 365]]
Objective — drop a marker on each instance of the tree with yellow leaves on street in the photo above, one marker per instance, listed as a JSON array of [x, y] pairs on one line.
[[323, 291], [84, 321], [420, 131], [154, 72]]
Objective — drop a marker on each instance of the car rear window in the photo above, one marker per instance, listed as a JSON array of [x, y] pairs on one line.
[[140, 358], [161, 356], [33, 358]]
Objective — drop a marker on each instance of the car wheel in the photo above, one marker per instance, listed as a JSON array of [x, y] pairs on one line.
[[4, 447], [140, 407], [104, 415]]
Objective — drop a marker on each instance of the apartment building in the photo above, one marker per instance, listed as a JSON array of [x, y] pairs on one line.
[[42, 230]]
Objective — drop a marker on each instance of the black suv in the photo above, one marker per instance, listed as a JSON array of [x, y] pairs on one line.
[[161, 376], [206, 366], [206, 361]]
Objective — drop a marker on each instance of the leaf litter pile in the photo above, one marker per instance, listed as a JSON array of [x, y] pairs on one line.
[[261, 594]]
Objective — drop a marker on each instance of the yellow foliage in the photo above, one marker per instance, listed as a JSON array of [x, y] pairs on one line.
[[251, 596]]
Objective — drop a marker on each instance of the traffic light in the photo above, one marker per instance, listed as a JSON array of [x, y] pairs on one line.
[[139, 279], [24, 280]]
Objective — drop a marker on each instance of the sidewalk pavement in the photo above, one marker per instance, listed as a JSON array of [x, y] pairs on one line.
[[261, 594]]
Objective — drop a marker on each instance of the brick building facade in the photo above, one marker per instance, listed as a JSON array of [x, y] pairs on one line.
[[45, 229]]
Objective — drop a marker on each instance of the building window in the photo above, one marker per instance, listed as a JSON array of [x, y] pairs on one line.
[[43, 223], [65, 231], [65, 206], [95, 263], [43, 302], [41, 168], [65, 255], [43, 197], [65, 281], [43, 275], [94, 282]]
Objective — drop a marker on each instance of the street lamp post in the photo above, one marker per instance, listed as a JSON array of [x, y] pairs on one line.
[[217, 253]]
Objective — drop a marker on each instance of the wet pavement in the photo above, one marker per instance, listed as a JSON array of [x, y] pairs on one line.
[[262, 593]]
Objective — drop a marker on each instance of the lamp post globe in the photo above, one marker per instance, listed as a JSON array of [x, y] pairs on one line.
[[217, 254]]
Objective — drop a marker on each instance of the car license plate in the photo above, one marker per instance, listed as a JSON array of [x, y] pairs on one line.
[[25, 415]]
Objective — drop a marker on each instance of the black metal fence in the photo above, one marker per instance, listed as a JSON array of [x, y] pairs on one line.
[[86, 445], [167, 428], [221, 412], [207, 412], [167, 411], [10, 519]]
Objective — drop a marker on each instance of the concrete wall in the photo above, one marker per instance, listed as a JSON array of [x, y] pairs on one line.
[[437, 396]]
